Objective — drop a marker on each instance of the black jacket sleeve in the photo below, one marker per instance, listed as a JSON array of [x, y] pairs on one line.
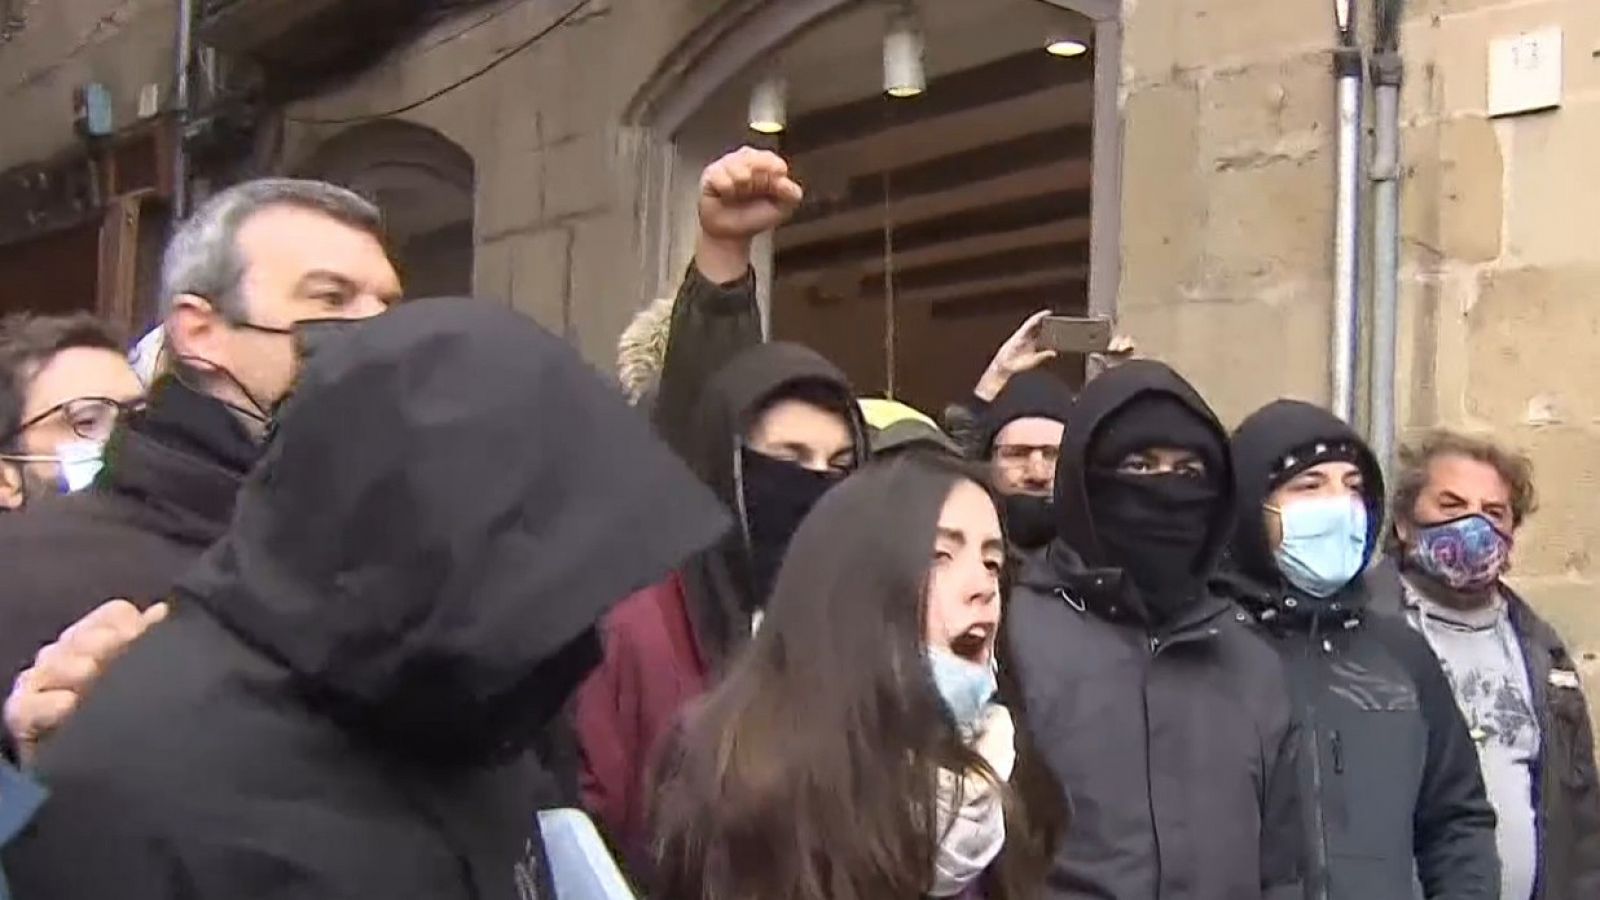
[[1570, 788], [711, 324], [1454, 823], [1282, 827], [1583, 809]]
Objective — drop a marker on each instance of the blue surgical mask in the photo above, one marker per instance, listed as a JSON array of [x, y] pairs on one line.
[[1324, 543], [966, 686]]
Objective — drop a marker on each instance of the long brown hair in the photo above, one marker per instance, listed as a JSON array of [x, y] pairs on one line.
[[811, 772]]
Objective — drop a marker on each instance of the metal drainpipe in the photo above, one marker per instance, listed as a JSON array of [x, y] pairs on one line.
[[181, 67], [1387, 74], [1348, 70]]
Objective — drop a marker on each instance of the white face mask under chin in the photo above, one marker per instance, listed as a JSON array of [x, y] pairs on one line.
[[972, 836]]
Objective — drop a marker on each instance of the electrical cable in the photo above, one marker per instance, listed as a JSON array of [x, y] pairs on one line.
[[488, 67]]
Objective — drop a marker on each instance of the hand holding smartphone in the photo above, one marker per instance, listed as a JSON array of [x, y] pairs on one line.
[[1072, 334]]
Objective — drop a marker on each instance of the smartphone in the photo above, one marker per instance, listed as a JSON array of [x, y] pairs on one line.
[[1070, 334]]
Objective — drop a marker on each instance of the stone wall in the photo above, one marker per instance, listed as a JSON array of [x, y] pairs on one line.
[[63, 44], [1227, 229], [556, 227]]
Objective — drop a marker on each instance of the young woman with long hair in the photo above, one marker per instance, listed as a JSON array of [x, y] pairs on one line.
[[860, 749]]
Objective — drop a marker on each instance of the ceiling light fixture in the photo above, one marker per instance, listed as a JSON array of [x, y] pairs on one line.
[[903, 74], [768, 107], [1066, 47]]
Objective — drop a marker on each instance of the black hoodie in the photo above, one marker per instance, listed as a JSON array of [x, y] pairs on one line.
[[1389, 774], [341, 701], [720, 582], [1174, 742]]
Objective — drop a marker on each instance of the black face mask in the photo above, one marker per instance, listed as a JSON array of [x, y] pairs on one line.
[[308, 335], [311, 335], [777, 497], [1154, 528], [1030, 520]]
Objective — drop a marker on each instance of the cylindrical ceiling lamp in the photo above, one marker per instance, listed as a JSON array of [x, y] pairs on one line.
[[1066, 45], [768, 107], [903, 74]]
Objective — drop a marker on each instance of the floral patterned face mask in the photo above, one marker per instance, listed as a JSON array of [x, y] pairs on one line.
[[1466, 554]]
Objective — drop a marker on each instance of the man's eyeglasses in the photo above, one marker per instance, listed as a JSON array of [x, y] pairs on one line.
[[1017, 456], [90, 418]]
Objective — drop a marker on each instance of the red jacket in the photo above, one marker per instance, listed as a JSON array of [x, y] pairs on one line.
[[652, 669]]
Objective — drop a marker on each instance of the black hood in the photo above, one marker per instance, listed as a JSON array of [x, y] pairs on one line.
[[1077, 558], [1032, 394], [719, 580], [451, 500], [1262, 447], [1100, 401]]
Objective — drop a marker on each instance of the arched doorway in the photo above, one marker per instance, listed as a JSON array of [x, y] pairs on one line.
[[424, 184], [933, 224]]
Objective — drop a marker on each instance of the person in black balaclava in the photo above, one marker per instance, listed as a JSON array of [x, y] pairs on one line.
[[1019, 435], [1389, 775], [343, 700], [1158, 710], [777, 427]]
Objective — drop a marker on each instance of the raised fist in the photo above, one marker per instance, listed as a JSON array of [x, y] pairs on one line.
[[745, 194]]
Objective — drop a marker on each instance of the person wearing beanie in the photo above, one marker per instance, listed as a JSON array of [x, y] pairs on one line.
[[1019, 436], [1158, 709], [1389, 776]]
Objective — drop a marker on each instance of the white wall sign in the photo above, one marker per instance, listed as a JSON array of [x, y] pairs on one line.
[[1525, 72]]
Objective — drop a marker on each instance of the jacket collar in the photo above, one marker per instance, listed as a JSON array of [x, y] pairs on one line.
[[1105, 594], [183, 459]]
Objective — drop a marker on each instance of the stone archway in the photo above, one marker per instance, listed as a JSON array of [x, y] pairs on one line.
[[424, 183], [692, 108]]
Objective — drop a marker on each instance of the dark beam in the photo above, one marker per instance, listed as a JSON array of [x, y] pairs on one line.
[[1069, 297], [955, 170], [1017, 261], [1010, 76], [1015, 215]]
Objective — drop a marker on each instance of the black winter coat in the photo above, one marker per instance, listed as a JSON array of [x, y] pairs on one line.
[[1391, 791], [343, 701], [1174, 743]]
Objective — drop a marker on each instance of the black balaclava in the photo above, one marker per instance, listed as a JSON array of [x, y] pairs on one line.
[[778, 495], [1156, 528]]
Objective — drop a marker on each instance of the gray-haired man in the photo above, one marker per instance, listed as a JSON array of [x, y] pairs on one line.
[[238, 279]]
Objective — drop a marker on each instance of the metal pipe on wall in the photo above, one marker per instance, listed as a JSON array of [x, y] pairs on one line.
[[1387, 74], [183, 57], [1348, 66]]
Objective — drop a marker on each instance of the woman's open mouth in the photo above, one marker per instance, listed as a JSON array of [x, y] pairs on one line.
[[973, 644]]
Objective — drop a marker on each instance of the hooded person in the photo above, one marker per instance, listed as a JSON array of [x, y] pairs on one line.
[[1388, 773], [776, 428], [1019, 435], [1158, 710], [341, 701]]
